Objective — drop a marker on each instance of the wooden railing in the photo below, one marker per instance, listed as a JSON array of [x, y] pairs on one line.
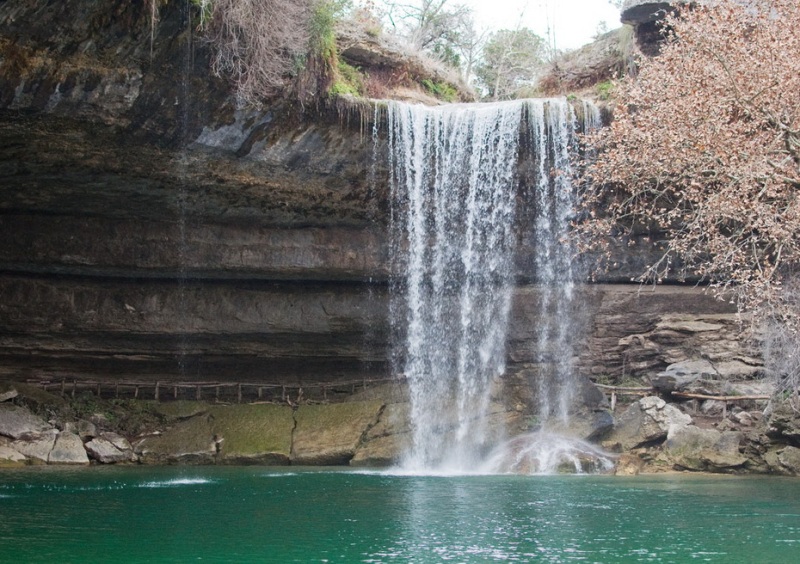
[[159, 390]]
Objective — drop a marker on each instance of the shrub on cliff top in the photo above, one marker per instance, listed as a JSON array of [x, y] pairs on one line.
[[257, 43]]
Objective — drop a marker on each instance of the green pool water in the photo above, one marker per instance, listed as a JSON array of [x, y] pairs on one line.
[[138, 514]]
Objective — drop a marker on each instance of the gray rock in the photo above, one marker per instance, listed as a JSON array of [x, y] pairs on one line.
[[68, 449], [84, 429], [646, 421], [789, 458], [17, 422], [744, 418], [738, 370], [712, 407], [10, 457], [784, 422], [105, 451], [37, 447], [680, 375], [118, 441], [692, 448], [7, 392], [586, 425], [642, 11]]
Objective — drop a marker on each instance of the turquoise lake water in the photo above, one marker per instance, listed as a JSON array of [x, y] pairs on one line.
[[137, 514]]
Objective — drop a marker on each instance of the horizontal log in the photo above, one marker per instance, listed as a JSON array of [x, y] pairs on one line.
[[620, 389], [719, 398]]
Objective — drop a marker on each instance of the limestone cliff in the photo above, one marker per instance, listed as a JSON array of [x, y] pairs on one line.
[[150, 228], [153, 230]]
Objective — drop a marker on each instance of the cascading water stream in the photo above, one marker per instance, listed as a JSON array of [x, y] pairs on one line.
[[456, 186], [554, 140], [453, 169]]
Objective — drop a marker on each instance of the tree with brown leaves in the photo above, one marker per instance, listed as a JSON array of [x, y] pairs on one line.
[[705, 147]]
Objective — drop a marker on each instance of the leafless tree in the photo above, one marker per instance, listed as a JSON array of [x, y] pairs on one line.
[[258, 42], [705, 146]]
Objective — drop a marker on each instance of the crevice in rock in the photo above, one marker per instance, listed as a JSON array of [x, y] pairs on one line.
[[362, 440], [291, 437]]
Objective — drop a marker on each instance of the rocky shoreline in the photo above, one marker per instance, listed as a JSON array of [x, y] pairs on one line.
[[646, 436]]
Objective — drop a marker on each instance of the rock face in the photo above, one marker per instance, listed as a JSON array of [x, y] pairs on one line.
[[317, 441], [110, 448], [37, 447], [151, 230], [692, 448], [188, 442], [646, 16], [647, 421], [637, 12], [17, 422], [68, 449]]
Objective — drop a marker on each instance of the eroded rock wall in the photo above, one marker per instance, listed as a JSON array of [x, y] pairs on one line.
[[150, 228]]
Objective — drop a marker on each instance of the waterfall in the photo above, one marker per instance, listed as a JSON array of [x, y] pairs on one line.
[[553, 135], [459, 194]]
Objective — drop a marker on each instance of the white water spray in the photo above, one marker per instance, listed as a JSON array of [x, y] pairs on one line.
[[455, 187]]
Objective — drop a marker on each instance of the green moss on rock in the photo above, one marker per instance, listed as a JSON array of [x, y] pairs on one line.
[[330, 434], [181, 409], [188, 442], [253, 434]]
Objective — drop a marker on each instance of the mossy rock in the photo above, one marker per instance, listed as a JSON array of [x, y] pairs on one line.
[[181, 409], [37, 397], [188, 442], [253, 434], [330, 434]]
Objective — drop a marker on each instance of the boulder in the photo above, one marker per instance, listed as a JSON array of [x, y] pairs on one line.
[[10, 457], [586, 425], [84, 429], [36, 447], [17, 422], [7, 392], [789, 458], [68, 449], [692, 448], [784, 422], [330, 434], [646, 421], [118, 441], [188, 442], [110, 448], [628, 464], [712, 408], [678, 376], [744, 418]]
